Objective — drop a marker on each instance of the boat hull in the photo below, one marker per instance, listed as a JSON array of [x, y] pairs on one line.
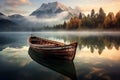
[[54, 50]]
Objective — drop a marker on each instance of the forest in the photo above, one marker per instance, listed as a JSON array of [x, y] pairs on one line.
[[93, 21]]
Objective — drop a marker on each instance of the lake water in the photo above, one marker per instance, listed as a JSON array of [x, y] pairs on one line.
[[97, 56]]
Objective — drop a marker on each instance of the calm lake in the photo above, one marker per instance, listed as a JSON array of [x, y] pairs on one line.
[[97, 57]]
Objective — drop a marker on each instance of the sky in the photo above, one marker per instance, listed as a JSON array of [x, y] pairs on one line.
[[26, 7]]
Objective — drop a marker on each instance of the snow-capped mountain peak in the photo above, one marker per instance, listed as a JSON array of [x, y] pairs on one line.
[[52, 6], [49, 8], [52, 9]]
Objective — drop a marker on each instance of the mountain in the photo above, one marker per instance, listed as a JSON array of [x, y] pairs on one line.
[[1, 14], [53, 9], [16, 16], [49, 9], [6, 24], [48, 14]]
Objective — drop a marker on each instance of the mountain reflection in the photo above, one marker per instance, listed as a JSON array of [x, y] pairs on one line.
[[12, 39]]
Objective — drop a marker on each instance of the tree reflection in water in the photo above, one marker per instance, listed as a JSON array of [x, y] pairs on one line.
[[87, 67], [93, 42]]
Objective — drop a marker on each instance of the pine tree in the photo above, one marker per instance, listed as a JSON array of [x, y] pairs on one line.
[[92, 13], [80, 15], [118, 19]]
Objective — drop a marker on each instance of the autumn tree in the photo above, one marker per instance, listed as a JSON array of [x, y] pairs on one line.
[[92, 21], [74, 23], [110, 21], [71, 23], [68, 25]]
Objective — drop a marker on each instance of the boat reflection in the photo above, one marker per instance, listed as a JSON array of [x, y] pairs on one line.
[[64, 67]]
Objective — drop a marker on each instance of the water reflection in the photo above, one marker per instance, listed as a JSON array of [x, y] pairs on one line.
[[92, 42], [12, 61], [17, 65], [13, 39], [99, 43], [62, 66]]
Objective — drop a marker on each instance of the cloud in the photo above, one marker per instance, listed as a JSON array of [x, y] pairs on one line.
[[14, 11], [15, 6], [96, 71], [100, 73], [56, 19], [15, 3], [18, 56]]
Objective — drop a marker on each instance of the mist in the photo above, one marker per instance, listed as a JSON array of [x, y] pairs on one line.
[[33, 22]]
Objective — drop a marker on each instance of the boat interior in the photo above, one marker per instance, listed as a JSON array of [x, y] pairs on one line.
[[36, 40]]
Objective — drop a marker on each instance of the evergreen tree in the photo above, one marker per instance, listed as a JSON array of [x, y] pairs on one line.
[[118, 19], [80, 15], [101, 17], [64, 25], [92, 13], [93, 19]]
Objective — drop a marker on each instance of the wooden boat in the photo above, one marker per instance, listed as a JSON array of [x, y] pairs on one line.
[[64, 67], [52, 49]]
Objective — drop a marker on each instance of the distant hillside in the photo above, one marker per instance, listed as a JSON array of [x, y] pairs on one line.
[[7, 25]]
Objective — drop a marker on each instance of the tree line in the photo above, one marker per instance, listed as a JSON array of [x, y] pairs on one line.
[[92, 21]]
